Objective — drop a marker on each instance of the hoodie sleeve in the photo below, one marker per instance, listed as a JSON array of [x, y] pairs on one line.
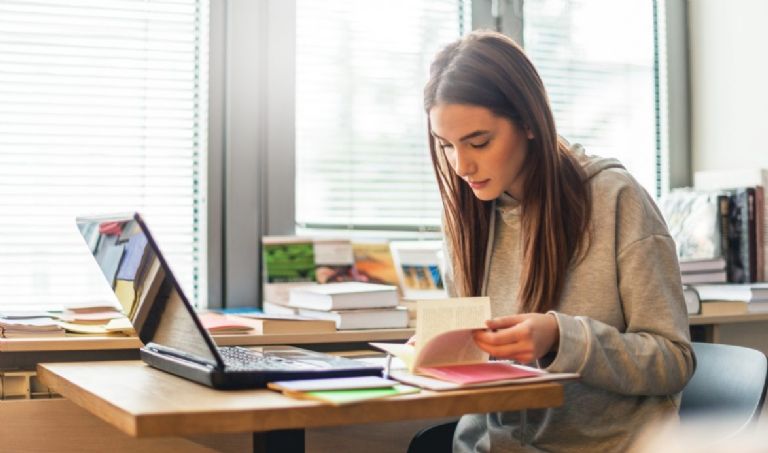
[[652, 355]]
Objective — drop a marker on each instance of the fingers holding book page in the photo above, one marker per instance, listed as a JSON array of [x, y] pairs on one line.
[[522, 338]]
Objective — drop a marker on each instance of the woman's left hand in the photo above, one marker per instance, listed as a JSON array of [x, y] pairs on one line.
[[523, 338]]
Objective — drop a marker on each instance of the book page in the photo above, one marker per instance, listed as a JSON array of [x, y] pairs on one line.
[[434, 317], [444, 330], [449, 348], [402, 351]]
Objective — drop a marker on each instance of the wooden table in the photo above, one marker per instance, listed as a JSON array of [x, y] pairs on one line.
[[742, 329], [26, 353], [144, 402]]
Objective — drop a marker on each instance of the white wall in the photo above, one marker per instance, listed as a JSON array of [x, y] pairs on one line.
[[729, 83]]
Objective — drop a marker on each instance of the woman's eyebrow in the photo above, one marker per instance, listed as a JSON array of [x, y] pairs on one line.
[[466, 137]]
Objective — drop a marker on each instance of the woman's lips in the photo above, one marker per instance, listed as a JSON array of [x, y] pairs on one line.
[[478, 184]]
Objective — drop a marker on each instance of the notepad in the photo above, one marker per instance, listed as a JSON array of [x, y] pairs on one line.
[[347, 396]]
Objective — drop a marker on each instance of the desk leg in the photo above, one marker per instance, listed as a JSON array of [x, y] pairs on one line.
[[285, 440]]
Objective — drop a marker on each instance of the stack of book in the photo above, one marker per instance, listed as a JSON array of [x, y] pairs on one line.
[[351, 305], [413, 267], [733, 299], [21, 326], [720, 230], [747, 227], [293, 261]]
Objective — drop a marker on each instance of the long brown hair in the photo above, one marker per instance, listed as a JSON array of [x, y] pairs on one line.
[[487, 69]]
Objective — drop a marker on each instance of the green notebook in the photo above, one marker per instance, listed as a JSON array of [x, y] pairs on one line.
[[346, 396]]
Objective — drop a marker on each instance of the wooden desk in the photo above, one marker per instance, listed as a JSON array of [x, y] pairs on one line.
[[695, 320], [743, 329], [346, 338], [144, 402], [26, 353]]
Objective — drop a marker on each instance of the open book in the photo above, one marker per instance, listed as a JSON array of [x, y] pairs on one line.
[[446, 356]]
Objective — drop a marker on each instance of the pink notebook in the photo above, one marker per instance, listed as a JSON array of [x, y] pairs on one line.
[[477, 372]]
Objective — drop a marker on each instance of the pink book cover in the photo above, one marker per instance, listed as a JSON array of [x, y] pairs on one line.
[[477, 372]]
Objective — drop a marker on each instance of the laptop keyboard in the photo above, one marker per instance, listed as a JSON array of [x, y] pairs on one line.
[[242, 359]]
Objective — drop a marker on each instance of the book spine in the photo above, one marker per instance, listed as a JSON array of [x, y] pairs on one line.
[[738, 267], [759, 229], [752, 234], [722, 206]]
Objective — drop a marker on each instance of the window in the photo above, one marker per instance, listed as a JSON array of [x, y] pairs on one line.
[[596, 58], [362, 159], [103, 108]]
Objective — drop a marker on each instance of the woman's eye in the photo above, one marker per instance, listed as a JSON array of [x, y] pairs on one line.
[[479, 145], [446, 146]]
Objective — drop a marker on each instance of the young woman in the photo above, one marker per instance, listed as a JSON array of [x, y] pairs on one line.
[[575, 256]]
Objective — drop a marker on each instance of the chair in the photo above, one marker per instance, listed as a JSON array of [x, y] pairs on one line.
[[729, 381], [434, 439]]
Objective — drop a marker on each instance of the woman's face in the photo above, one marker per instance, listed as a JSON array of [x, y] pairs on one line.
[[485, 150]]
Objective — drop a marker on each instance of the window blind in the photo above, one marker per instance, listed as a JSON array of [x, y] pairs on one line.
[[596, 58], [362, 158], [103, 109]]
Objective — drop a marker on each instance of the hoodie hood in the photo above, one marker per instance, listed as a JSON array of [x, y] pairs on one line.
[[593, 165]]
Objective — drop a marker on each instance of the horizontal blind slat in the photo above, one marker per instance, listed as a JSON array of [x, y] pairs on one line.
[[361, 151], [101, 110]]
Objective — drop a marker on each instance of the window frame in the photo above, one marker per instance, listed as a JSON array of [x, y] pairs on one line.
[[252, 130]]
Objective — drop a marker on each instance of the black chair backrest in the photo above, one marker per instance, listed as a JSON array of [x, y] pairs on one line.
[[433, 439], [730, 381]]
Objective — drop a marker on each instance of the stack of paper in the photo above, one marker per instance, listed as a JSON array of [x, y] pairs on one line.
[[98, 319], [30, 327], [223, 324]]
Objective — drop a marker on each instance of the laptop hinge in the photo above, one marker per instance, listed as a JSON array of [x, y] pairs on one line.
[[165, 350]]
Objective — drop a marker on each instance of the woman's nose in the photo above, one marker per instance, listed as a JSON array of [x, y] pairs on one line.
[[464, 165]]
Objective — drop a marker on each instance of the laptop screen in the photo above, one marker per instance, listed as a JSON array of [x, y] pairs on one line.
[[144, 285]]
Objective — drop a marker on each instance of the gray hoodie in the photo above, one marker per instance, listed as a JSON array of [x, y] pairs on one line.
[[622, 321]]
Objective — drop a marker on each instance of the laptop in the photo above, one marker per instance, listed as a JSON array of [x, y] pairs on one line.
[[174, 339]]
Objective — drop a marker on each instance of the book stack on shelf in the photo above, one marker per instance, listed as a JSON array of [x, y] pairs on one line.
[[412, 267], [291, 262], [694, 221], [733, 299], [720, 227], [19, 325], [351, 305], [747, 227]]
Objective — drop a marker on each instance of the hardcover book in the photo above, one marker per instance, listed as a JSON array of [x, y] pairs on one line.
[[362, 318], [373, 263], [693, 220], [288, 262], [334, 260], [343, 296]]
